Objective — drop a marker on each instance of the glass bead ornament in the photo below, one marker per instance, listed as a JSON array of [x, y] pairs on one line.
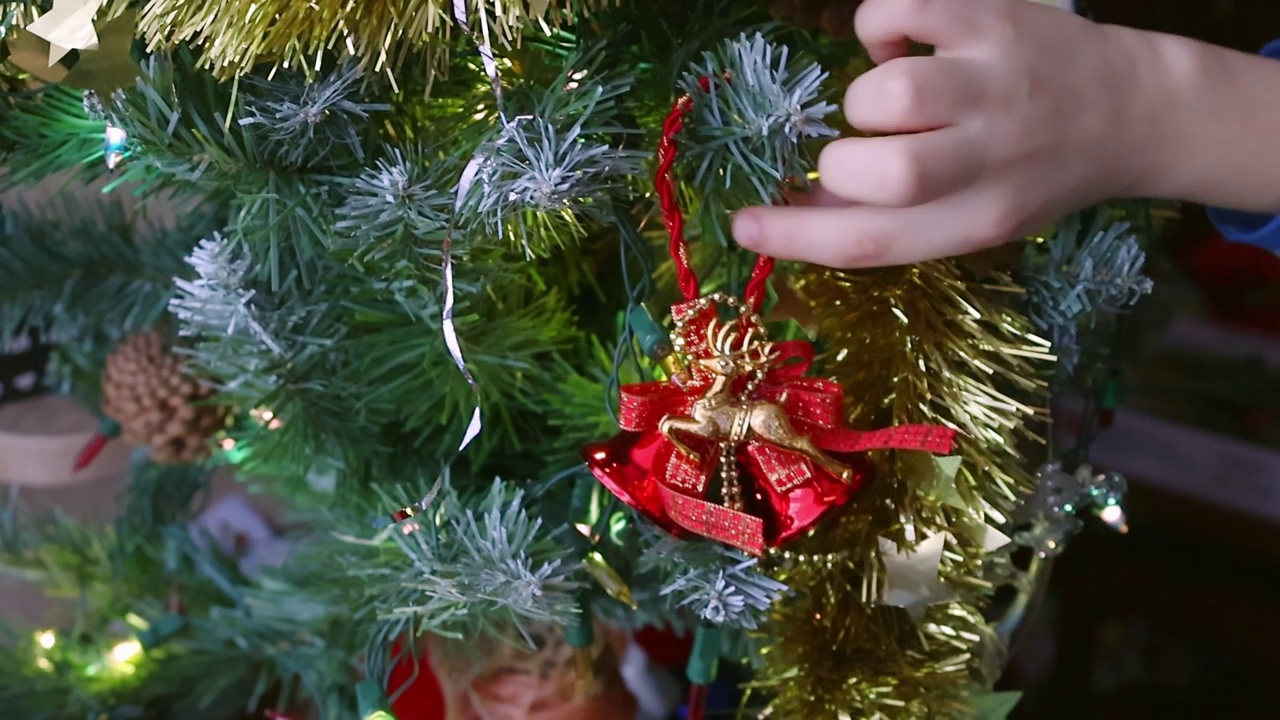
[[1051, 511], [1058, 492], [1106, 492], [1107, 489], [1048, 537]]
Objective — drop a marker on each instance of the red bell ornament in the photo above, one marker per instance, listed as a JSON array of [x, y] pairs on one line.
[[739, 419], [747, 426]]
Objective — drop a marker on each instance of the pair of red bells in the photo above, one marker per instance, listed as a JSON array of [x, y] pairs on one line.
[[744, 412]]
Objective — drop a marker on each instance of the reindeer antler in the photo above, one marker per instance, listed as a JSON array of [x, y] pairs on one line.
[[724, 340]]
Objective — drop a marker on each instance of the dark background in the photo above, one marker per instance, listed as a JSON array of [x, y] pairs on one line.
[[1180, 618]]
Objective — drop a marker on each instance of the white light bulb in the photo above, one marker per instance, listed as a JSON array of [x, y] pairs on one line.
[[126, 651], [1113, 515]]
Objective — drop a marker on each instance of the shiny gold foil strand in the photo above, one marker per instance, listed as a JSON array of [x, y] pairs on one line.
[[913, 344], [830, 654], [237, 35]]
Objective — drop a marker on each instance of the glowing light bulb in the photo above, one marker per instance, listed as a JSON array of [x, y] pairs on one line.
[[1113, 515], [47, 639], [126, 651], [44, 664], [267, 417], [113, 146], [228, 444]]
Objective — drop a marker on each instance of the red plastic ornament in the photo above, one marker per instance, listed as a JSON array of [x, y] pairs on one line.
[[414, 688], [665, 646]]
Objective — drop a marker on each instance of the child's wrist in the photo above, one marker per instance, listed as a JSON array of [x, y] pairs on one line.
[[1164, 74], [1202, 123]]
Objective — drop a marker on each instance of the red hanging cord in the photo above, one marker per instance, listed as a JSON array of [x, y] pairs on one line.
[[672, 216]]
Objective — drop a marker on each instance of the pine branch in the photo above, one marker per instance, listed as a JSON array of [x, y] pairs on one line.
[[241, 639], [48, 133], [237, 340], [107, 566], [746, 132], [184, 140], [308, 123], [579, 411], [717, 584], [282, 351], [85, 277], [472, 564], [285, 638], [388, 209], [512, 337], [345, 363], [1080, 276], [549, 171]]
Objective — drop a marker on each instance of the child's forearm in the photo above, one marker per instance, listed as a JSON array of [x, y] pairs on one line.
[[1212, 123]]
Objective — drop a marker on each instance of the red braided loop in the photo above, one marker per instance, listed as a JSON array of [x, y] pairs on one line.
[[758, 283], [673, 217]]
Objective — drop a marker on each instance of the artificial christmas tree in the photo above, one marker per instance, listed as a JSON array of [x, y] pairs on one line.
[[417, 256]]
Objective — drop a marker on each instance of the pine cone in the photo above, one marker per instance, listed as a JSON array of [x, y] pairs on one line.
[[833, 17], [157, 405]]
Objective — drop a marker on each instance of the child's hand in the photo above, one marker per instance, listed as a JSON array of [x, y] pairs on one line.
[[1024, 113]]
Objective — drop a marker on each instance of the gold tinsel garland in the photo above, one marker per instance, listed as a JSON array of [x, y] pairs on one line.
[[237, 35], [920, 344]]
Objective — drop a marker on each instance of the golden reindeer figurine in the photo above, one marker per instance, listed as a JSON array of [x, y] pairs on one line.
[[720, 417]]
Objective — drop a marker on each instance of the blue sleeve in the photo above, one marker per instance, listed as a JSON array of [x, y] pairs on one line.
[[1245, 227]]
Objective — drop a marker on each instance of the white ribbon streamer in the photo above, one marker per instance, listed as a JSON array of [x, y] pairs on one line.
[[464, 186]]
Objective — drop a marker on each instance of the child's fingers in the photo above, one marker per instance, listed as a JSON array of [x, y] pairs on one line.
[[844, 237], [861, 236], [913, 94], [886, 26], [814, 196], [901, 170]]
